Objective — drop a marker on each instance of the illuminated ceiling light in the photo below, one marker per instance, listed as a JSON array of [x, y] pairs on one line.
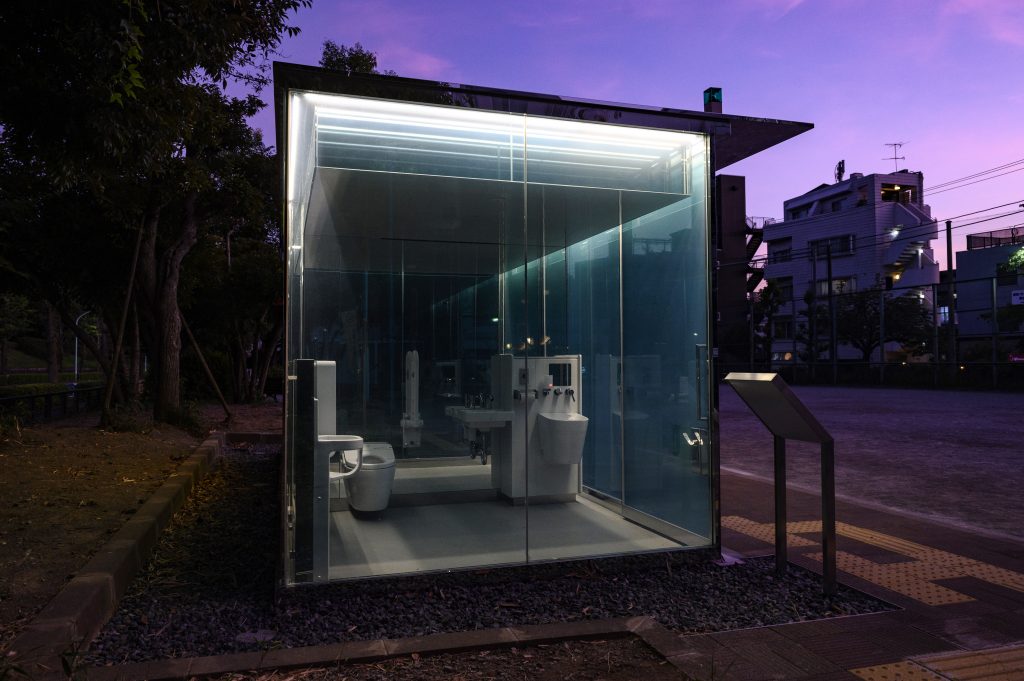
[[894, 232], [896, 187], [494, 122], [293, 146]]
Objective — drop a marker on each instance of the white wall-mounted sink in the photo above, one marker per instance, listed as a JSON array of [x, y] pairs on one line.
[[482, 419]]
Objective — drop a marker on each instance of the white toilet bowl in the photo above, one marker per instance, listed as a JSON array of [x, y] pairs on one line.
[[369, 490]]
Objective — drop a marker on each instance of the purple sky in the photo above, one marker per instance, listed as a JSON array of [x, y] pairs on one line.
[[944, 76]]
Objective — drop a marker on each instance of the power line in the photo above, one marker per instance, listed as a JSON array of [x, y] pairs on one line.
[[992, 177], [905, 234], [974, 175]]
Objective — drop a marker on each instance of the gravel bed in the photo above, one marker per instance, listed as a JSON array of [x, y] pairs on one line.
[[209, 587]]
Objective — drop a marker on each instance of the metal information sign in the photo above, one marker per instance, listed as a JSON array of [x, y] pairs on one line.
[[782, 412]]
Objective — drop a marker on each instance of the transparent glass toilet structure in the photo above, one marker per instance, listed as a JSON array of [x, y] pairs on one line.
[[514, 310]]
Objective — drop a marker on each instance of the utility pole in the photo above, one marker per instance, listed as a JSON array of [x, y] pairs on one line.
[[881, 334], [814, 311], [951, 315], [832, 314]]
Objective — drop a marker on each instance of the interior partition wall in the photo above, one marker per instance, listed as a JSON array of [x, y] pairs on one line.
[[454, 262]]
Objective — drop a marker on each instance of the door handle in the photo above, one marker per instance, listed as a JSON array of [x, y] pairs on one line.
[[699, 367]]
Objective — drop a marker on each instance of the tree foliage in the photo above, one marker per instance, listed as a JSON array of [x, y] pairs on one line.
[[15, 318], [812, 334], [116, 130], [349, 60], [767, 302], [1016, 259], [99, 88], [859, 315]]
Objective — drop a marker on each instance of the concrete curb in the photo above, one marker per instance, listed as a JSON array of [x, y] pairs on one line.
[[81, 608], [262, 438], [647, 629]]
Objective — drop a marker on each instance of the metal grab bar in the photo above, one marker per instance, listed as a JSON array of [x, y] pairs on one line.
[[346, 471], [341, 444]]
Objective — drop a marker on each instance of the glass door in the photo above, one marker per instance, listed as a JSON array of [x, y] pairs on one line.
[[665, 391]]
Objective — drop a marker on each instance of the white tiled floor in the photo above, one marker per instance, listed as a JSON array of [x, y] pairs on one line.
[[444, 536]]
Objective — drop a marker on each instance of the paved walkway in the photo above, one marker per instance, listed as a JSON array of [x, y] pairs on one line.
[[929, 519], [961, 598], [951, 455]]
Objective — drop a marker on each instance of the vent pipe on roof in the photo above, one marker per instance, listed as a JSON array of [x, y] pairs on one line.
[[713, 100], [856, 176]]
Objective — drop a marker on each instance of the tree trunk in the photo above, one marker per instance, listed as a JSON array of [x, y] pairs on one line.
[[135, 370], [3, 355], [159, 275], [267, 358], [54, 356]]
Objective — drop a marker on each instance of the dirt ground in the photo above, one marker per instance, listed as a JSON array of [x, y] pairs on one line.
[[66, 486]]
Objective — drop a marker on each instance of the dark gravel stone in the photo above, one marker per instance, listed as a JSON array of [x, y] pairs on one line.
[[210, 587]]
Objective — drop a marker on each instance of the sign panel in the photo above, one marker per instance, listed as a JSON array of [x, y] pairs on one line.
[[1017, 297], [777, 406]]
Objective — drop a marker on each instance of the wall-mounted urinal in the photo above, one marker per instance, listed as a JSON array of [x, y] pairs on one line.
[[561, 437]]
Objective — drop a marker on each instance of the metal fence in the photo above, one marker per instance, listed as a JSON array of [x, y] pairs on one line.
[[900, 336], [30, 409]]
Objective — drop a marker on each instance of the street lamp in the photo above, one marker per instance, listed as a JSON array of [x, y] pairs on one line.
[[76, 344]]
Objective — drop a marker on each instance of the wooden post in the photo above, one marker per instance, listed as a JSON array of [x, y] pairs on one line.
[[206, 367]]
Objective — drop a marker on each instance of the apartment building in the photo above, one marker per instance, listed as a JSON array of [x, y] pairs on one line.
[[985, 286], [869, 230]]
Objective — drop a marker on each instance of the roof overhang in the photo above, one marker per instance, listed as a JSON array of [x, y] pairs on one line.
[[734, 138]]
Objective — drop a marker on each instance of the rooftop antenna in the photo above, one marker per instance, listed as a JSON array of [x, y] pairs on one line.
[[895, 150], [840, 170]]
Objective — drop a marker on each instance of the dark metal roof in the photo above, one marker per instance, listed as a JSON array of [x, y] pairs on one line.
[[734, 137]]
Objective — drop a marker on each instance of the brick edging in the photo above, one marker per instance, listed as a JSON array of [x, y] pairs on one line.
[[353, 652], [81, 608], [674, 647]]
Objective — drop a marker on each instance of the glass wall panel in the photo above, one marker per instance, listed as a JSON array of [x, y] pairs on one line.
[[510, 311], [665, 389], [611, 210], [402, 255]]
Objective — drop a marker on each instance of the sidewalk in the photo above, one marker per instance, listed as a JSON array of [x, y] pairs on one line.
[[961, 597]]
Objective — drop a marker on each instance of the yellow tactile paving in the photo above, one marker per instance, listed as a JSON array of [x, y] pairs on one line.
[[1002, 664], [914, 578], [917, 587], [766, 531], [897, 671]]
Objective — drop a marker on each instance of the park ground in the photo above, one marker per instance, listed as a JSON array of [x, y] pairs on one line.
[[950, 457]]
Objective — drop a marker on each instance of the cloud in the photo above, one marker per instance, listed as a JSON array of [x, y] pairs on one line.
[[775, 9], [406, 61], [1003, 20]]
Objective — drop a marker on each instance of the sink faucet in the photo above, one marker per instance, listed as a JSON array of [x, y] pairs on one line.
[[571, 393]]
